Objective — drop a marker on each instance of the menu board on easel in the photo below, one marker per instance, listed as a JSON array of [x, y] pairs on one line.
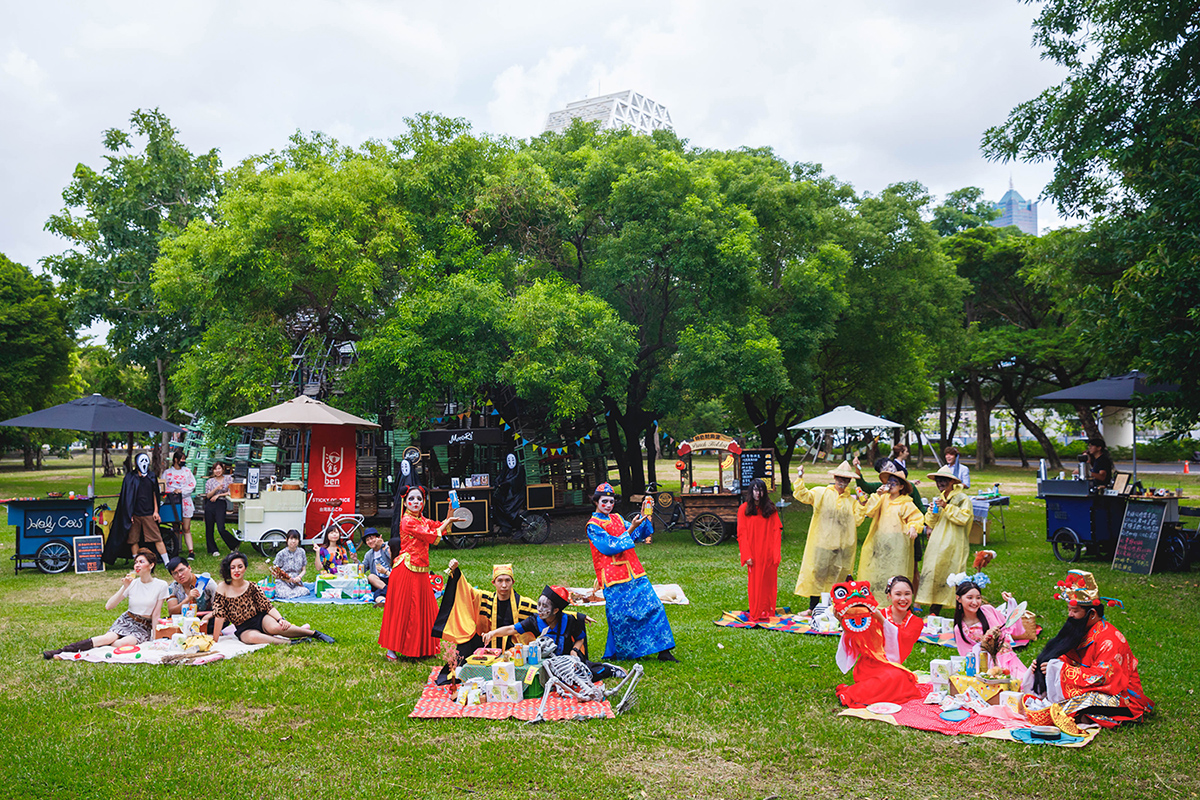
[[757, 463], [89, 552], [1138, 541]]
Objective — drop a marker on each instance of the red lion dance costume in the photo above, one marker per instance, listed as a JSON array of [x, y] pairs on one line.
[[870, 648]]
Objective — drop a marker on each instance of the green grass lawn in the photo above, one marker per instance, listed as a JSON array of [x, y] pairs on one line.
[[746, 714]]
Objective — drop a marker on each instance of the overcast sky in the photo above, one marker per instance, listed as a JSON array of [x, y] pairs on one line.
[[877, 91]]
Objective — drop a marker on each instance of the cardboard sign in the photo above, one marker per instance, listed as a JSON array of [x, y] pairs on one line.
[[252, 479], [333, 458], [1138, 541], [88, 553]]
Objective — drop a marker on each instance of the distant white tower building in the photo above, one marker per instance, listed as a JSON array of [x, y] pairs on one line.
[[626, 109]]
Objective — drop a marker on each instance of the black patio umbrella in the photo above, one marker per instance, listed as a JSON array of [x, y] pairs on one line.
[[1119, 391], [95, 414]]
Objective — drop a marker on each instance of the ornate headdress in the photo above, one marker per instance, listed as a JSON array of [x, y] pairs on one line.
[[606, 488], [980, 580], [1079, 589], [501, 569], [558, 596], [853, 603]]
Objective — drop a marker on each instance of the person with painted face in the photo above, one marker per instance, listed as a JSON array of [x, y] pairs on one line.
[[832, 534], [889, 548], [411, 609], [949, 516], [567, 630], [145, 594], [637, 621], [138, 507]]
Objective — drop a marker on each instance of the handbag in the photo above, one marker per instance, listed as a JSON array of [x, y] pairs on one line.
[[1026, 628]]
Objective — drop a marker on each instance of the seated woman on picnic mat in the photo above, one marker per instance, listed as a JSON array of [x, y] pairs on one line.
[[895, 523], [870, 647], [898, 615], [242, 604], [832, 534], [145, 594], [949, 519], [292, 563], [978, 625], [334, 551]]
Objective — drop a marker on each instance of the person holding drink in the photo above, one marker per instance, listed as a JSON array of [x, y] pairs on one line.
[[949, 521], [829, 551]]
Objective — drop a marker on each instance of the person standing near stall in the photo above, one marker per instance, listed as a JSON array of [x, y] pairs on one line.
[[1100, 463], [637, 621], [759, 535], [957, 468], [180, 483], [832, 534], [216, 489], [411, 609], [949, 516]]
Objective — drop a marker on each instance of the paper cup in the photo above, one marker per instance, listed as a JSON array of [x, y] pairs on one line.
[[824, 598]]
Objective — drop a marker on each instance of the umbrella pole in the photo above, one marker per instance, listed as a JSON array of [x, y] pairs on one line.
[[1134, 410], [93, 466]]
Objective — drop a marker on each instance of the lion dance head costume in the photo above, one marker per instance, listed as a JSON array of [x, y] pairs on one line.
[[866, 648]]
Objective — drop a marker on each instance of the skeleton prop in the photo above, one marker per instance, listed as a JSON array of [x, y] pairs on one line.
[[571, 677]]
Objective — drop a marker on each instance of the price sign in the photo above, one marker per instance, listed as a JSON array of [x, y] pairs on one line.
[[1138, 541], [757, 463], [88, 553]]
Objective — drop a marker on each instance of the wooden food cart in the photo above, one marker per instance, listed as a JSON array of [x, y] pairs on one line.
[[710, 511]]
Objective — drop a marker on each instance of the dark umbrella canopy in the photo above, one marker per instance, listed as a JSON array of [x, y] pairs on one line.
[[95, 414], [1115, 391]]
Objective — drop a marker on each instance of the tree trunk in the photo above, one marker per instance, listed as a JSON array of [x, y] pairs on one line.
[[1017, 436], [957, 417], [27, 452], [110, 469], [615, 444], [1091, 428], [1052, 458], [651, 453], [129, 454], [943, 442], [984, 454]]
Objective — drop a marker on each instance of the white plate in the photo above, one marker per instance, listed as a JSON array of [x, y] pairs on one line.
[[883, 708]]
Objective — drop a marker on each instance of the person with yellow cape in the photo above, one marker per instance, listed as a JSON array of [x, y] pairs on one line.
[[949, 515], [832, 534], [466, 613], [895, 523]]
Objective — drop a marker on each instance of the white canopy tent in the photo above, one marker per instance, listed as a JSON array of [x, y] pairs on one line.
[[845, 418]]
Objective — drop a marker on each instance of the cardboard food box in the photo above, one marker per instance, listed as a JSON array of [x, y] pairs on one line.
[[505, 692], [504, 672], [939, 670], [1012, 700]]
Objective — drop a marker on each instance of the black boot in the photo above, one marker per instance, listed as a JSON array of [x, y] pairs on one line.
[[666, 655], [77, 647]]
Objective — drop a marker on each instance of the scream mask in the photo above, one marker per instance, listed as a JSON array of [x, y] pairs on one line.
[[143, 463]]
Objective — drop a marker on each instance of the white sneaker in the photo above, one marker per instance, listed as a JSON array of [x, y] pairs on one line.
[[380, 600], [214, 553]]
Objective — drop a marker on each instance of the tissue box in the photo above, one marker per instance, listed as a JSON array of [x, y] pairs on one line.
[[1012, 700], [505, 692], [504, 672], [939, 670]]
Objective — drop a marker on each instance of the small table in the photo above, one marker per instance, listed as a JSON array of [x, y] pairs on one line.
[[982, 507]]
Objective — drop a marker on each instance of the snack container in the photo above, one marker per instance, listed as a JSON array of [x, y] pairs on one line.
[[958, 665], [1012, 700], [504, 672], [505, 692], [939, 670]]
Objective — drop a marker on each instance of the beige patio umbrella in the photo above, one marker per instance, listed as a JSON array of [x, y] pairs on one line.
[[301, 413]]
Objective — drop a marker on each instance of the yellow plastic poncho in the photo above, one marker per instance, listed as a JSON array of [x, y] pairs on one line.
[[832, 537], [948, 549], [887, 550]]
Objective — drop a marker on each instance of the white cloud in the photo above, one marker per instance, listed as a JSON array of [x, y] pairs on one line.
[[523, 97]]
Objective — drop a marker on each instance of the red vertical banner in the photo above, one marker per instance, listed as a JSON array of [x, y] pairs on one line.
[[332, 464]]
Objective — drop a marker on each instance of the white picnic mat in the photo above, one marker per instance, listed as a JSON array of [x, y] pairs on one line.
[[668, 593], [152, 652]]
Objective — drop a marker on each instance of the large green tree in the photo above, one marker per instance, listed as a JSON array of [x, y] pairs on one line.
[[1123, 131], [115, 220], [36, 345]]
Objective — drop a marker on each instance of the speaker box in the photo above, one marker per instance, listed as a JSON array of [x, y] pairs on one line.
[[477, 510], [539, 496]]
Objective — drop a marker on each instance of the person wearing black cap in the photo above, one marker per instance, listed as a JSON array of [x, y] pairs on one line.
[[569, 631]]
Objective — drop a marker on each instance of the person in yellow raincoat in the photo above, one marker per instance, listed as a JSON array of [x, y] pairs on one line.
[[895, 523], [832, 534], [950, 516]]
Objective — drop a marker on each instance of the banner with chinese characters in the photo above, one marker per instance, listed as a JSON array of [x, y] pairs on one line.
[[332, 462]]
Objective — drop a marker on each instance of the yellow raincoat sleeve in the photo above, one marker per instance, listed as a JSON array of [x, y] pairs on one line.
[[858, 509], [911, 516], [872, 508], [803, 494], [959, 510]]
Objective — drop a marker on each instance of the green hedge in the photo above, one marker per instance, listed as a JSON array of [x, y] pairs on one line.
[[1159, 450]]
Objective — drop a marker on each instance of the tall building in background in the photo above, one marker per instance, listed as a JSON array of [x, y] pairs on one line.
[[1016, 210], [626, 109]]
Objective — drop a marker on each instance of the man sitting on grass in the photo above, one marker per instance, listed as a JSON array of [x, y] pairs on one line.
[[377, 563]]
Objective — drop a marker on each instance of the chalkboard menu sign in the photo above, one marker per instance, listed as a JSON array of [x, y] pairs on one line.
[[88, 552], [1139, 537], [757, 463]]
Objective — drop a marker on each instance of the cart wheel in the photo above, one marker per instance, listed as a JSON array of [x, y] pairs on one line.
[[708, 529], [535, 528], [1066, 545], [1171, 555], [53, 558], [462, 542], [271, 543], [170, 540]]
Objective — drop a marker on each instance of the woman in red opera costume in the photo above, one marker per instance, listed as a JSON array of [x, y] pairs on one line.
[[759, 531], [410, 610]]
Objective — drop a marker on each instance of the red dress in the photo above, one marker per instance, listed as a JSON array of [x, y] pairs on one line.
[[872, 652], [906, 634], [759, 539], [410, 610]]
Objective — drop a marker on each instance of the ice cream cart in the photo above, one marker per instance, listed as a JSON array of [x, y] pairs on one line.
[[46, 530]]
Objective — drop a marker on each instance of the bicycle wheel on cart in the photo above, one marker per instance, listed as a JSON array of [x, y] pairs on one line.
[[53, 557], [535, 528], [462, 542], [1066, 545]]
